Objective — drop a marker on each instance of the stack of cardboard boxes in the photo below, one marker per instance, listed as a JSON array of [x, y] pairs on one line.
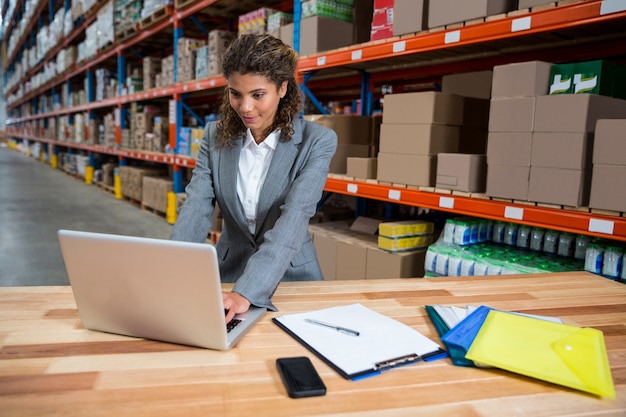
[[540, 146], [609, 166], [186, 54], [131, 180], [154, 192], [165, 77], [415, 128], [349, 250], [511, 122], [151, 67]]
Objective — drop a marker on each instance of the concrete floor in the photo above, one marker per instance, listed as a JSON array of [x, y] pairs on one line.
[[36, 201]]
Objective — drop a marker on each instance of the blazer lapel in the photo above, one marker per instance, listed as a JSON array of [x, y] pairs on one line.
[[278, 173], [229, 161]]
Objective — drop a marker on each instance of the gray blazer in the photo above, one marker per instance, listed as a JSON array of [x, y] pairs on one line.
[[281, 248]]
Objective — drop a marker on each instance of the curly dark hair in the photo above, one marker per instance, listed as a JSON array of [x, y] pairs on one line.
[[269, 57]]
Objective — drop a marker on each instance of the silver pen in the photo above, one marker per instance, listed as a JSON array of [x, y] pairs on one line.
[[340, 329]]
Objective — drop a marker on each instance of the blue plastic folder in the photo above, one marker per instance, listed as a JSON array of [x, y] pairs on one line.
[[567, 355], [459, 339]]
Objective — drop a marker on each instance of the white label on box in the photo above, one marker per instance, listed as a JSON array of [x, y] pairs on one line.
[[452, 37], [353, 188], [515, 213], [523, 23], [446, 202], [321, 61], [399, 46], [357, 55], [212, 82], [394, 195], [601, 226], [612, 6]]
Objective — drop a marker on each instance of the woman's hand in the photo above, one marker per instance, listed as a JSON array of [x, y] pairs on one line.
[[235, 303]]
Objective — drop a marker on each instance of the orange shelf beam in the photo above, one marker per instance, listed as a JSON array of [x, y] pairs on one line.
[[610, 227]]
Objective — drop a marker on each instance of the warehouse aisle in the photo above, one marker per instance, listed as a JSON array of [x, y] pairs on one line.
[[36, 201]]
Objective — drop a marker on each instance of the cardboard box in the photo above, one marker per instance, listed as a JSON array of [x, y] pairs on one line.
[[516, 114], [562, 150], [607, 187], [426, 139], [361, 167], [350, 129], [381, 264], [569, 187], [521, 79], [339, 162], [318, 34], [409, 16], [326, 248], [445, 12], [575, 112], [351, 259], [609, 146], [461, 172], [417, 170], [476, 84], [509, 148], [506, 181], [590, 77], [428, 107]]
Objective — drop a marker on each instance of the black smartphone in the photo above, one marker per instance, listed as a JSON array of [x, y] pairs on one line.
[[300, 377]]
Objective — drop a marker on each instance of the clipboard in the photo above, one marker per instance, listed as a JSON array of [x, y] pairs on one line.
[[567, 355], [382, 342]]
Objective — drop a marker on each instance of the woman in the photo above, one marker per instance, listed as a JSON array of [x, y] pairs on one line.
[[266, 170]]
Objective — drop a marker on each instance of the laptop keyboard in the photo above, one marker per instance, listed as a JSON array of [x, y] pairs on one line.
[[232, 324]]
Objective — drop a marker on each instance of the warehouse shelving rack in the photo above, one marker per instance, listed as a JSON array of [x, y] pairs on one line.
[[572, 31]]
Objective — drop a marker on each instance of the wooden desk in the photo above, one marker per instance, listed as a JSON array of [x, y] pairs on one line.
[[50, 365]]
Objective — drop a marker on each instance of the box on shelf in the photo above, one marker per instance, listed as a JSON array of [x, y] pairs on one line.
[[562, 150], [328, 8], [445, 12], [476, 84], [339, 162], [575, 112], [609, 146], [423, 108], [415, 170], [514, 114], [383, 264], [409, 16], [461, 172], [509, 148], [568, 187], [521, 79], [418, 139], [508, 181], [403, 228], [318, 34], [592, 77], [364, 168], [607, 187]]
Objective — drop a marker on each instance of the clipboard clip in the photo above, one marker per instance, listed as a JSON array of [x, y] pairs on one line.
[[401, 360]]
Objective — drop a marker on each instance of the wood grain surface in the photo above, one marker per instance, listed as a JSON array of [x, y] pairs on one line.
[[51, 366]]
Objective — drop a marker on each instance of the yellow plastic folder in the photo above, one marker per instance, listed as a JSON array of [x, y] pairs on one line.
[[559, 353]]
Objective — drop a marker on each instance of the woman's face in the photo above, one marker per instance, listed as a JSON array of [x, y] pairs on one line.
[[255, 99]]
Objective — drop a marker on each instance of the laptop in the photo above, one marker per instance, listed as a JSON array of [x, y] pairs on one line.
[[151, 288]]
